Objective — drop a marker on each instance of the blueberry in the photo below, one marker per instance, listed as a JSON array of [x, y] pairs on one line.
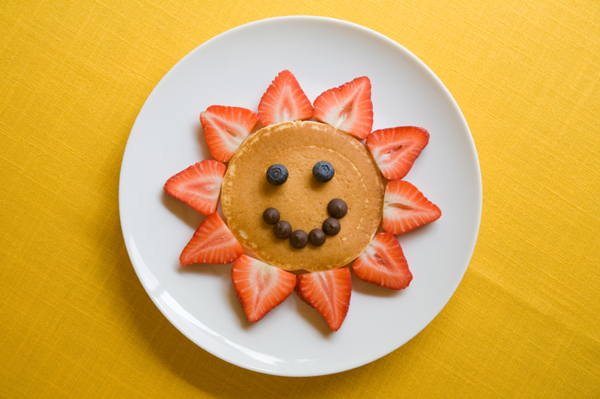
[[277, 174], [323, 171]]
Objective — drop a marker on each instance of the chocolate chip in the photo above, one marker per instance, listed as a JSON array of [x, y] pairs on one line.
[[337, 208], [282, 229], [316, 237], [299, 239], [331, 226], [271, 215]]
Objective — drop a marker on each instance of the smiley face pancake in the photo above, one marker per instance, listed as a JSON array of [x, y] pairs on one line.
[[302, 200]]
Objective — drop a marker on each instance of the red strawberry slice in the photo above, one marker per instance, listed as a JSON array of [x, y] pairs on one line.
[[260, 287], [212, 242], [328, 292], [348, 107], [284, 101], [226, 128], [405, 208], [383, 263], [198, 186], [395, 149]]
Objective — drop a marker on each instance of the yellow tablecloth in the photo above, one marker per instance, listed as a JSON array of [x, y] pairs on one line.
[[76, 322]]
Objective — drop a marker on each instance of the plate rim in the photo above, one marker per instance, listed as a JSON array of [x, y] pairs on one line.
[[365, 31]]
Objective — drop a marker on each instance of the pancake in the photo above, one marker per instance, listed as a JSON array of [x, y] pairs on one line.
[[302, 200]]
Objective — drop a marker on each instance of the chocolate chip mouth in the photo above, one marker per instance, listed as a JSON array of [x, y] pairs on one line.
[[337, 209]]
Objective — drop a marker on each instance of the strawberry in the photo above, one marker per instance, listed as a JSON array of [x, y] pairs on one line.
[[395, 149], [348, 107], [284, 101], [405, 208], [260, 287], [328, 292], [383, 263], [198, 186], [225, 129], [212, 242]]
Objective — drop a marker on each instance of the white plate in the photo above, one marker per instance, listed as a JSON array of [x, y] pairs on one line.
[[235, 68]]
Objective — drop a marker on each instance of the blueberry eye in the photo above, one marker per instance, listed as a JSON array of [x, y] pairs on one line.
[[277, 174], [323, 171]]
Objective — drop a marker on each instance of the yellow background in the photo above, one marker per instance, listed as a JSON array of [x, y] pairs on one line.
[[76, 322]]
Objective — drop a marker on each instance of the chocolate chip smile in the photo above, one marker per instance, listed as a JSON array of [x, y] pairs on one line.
[[337, 208]]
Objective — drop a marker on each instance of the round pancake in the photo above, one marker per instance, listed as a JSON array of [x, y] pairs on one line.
[[302, 200]]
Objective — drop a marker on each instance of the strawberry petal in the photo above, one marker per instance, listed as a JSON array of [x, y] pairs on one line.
[[260, 287], [198, 186], [396, 149], [226, 128], [212, 242], [348, 107], [405, 208], [383, 263], [329, 292], [284, 101]]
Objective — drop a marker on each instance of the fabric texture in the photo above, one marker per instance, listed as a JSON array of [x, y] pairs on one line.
[[75, 321]]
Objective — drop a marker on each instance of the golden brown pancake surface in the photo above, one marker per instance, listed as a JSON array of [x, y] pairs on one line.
[[302, 200]]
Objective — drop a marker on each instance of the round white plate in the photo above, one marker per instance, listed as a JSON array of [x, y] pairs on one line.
[[235, 68]]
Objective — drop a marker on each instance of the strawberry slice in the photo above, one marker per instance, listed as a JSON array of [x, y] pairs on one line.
[[284, 101], [260, 287], [348, 107], [383, 263], [226, 128], [212, 242], [405, 208], [198, 186], [395, 149], [328, 292]]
